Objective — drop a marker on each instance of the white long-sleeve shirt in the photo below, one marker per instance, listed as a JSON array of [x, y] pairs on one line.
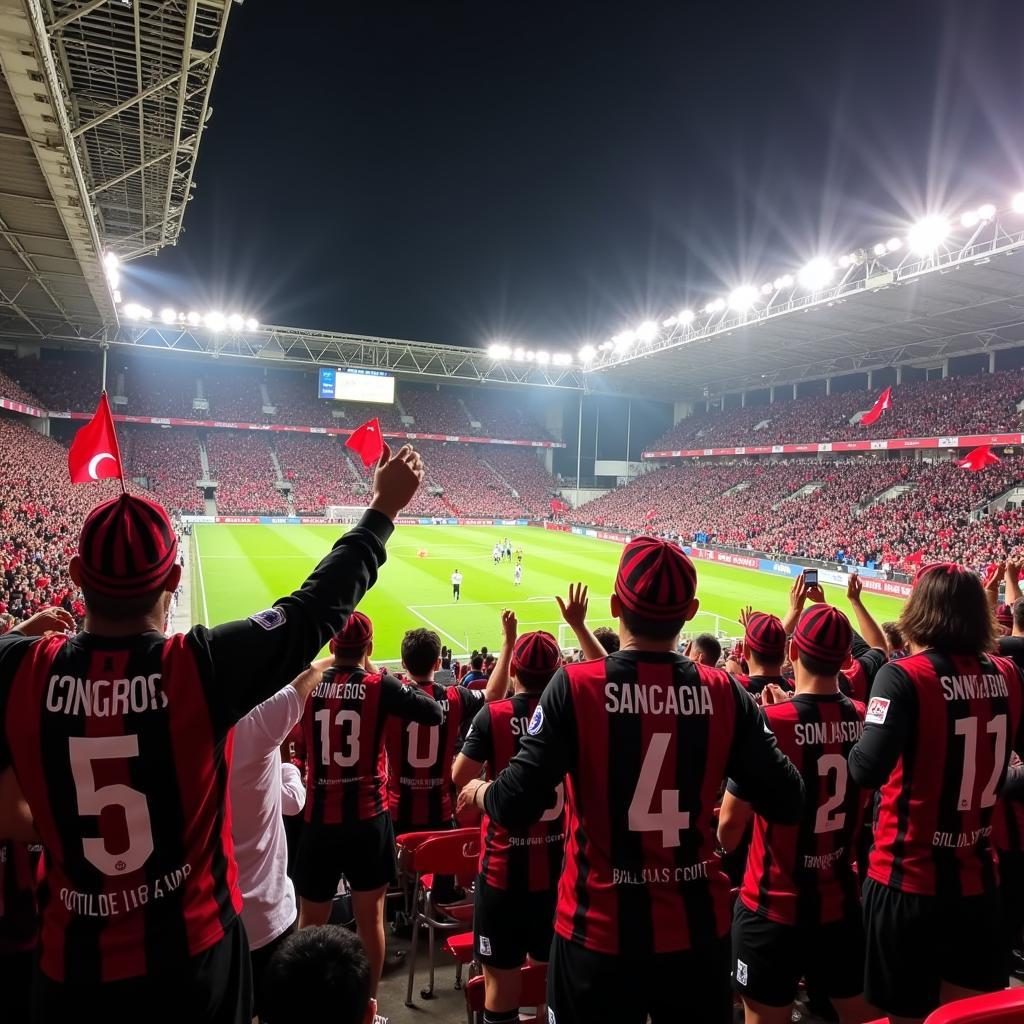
[[262, 787]]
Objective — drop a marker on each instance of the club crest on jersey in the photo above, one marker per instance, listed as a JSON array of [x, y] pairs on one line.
[[485, 946], [269, 618], [536, 722], [741, 972], [878, 709]]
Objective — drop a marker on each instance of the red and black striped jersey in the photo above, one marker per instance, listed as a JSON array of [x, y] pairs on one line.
[[20, 872], [343, 725], [122, 747], [644, 741], [525, 859], [755, 684], [803, 874], [939, 733], [420, 759], [856, 680]]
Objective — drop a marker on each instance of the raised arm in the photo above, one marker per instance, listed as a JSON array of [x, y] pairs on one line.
[[497, 682], [866, 625], [574, 611], [1012, 580], [890, 716]]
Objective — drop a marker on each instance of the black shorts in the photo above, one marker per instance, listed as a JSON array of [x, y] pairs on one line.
[[769, 958], [362, 851], [510, 926], [595, 988], [914, 943]]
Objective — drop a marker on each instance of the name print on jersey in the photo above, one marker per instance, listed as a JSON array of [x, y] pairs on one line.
[[105, 698], [634, 699]]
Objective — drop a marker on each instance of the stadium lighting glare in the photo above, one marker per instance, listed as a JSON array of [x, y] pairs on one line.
[[743, 297], [647, 331], [236, 322], [587, 353], [986, 211], [543, 357], [561, 359], [843, 262], [970, 218], [669, 321], [815, 274], [168, 315], [530, 355], [215, 321], [111, 261], [132, 310], [519, 355], [623, 340], [894, 244], [117, 297], [781, 283], [928, 234], [494, 351], [715, 306], [194, 318], [251, 323], [685, 316], [767, 288], [880, 249], [113, 278], [1018, 203]]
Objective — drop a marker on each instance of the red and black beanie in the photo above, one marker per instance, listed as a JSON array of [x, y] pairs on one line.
[[127, 547], [656, 578], [765, 635], [1004, 615], [355, 636], [536, 654], [824, 633]]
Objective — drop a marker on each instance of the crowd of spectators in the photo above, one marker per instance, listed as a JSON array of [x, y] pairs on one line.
[[955, 405], [169, 462], [240, 462], [319, 472]]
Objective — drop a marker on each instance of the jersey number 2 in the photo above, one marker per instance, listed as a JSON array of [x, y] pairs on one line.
[[827, 820], [670, 820], [84, 751]]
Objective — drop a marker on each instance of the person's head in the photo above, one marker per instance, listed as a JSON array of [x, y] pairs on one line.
[[607, 638], [947, 610], [893, 637], [483, 652], [355, 641], [421, 653], [535, 658], [1018, 617], [127, 565], [764, 644], [654, 594], [477, 663], [1004, 618], [705, 649], [821, 643], [318, 974]]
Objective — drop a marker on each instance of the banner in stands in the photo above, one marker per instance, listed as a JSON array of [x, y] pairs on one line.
[[894, 444], [324, 521], [174, 421]]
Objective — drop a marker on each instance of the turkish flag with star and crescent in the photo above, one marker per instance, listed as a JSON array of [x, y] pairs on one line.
[[94, 454]]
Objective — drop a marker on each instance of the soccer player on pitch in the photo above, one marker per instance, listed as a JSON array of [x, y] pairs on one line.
[[348, 828], [643, 739], [798, 914], [457, 585], [941, 725], [121, 739]]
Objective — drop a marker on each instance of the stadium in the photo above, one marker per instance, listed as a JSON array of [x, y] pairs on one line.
[[855, 412]]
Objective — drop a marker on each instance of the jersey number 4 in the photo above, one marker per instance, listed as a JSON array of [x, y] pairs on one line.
[[670, 820]]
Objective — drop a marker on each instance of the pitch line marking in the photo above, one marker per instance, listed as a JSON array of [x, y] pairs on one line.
[[202, 581], [434, 625]]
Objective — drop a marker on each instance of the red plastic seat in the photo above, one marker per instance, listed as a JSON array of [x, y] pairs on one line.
[[460, 947], [994, 1008], [534, 991]]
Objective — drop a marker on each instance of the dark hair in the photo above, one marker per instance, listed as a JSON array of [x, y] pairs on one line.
[[420, 650], [483, 651], [534, 681], [477, 662], [607, 638], [107, 607], [820, 667], [317, 974], [893, 636], [708, 645], [947, 610], [652, 629], [1018, 613]]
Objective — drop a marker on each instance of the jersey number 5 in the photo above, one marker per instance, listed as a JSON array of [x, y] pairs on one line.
[[84, 751], [670, 820]]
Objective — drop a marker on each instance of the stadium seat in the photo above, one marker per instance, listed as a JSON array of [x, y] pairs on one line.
[[534, 993], [994, 1008], [461, 949], [422, 856]]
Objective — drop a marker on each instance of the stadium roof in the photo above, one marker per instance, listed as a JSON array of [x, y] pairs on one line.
[[102, 106]]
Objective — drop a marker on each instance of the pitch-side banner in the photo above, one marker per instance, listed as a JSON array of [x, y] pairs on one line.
[[893, 444]]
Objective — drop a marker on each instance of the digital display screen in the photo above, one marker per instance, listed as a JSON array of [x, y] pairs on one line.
[[357, 385]]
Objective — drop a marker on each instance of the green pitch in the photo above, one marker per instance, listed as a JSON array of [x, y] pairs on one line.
[[243, 569]]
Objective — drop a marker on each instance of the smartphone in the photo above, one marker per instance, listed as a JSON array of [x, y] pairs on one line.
[[810, 577]]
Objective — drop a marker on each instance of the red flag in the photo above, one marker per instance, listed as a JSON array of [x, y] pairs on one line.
[[94, 454], [883, 402], [977, 460], [650, 514], [916, 558], [367, 442], [557, 506]]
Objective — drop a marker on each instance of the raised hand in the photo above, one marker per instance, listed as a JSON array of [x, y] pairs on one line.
[[396, 480]]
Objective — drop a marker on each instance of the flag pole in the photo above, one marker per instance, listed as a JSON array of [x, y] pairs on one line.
[[103, 370]]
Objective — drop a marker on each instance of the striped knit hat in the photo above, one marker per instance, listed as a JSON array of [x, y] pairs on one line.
[[354, 637], [1004, 615], [127, 547], [766, 635], [656, 578], [536, 654], [824, 632]]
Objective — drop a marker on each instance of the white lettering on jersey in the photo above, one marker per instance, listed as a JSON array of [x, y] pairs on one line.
[[823, 733], [967, 687], [633, 699], [104, 698]]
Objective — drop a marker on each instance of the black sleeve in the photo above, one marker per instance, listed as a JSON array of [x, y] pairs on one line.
[[409, 703], [891, 715], [479, 745], [859, 646], [473, 702], [251, 659], [760, 773], [525, 789], [13, 647]]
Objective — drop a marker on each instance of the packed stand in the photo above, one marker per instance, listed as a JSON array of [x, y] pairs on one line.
[[169, 462], [233, 392], [240, 463], [320, 473], [526, 474], [12, 390], [60, 381]]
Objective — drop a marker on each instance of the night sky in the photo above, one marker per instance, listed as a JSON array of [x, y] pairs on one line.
[[549, 172]]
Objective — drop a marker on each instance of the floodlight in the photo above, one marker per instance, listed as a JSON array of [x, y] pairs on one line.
[[194, 319], [530, 356], [970, 218], [494, 351], [766, 288], [986, 211], [894, 244], [132, 310], [167, 315], [781, 283], [561, 359], [685, 316], [669, 322], [1018, 203], [647, 331], [215, 321], [117, 297], [715, 306], [251, 323], [587, 353], [816, 274], [543, 357], [624, 339], [111, 261], [928, 234], [145, 313], [113, 277], [743, 297], [843, 261], [880, 249], [519, 355], [236, 322]]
